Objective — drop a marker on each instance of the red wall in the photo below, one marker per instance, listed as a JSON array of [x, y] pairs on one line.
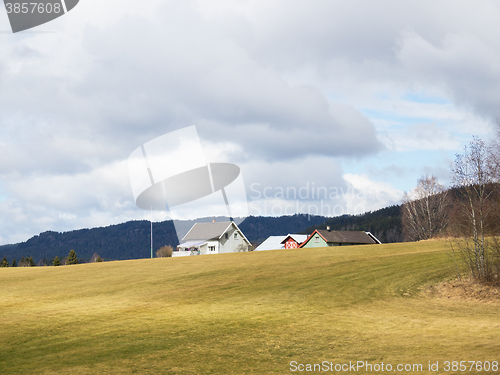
[[291, 244]]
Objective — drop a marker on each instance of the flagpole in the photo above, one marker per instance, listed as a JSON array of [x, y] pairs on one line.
[[151, 232]]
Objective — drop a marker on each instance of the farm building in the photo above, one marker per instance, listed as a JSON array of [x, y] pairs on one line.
[[290, 241], [293, 241], [327, 237], [271, 243], [214, 238]]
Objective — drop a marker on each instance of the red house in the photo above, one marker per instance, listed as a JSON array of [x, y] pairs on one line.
[[293, 241]]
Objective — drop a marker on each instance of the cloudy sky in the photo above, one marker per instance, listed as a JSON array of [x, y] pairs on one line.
[[360, 98]]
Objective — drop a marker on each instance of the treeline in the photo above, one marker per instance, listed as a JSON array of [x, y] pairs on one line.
[[444, 213], [469, 212], [385, 224], [29, 262], [131, 240]]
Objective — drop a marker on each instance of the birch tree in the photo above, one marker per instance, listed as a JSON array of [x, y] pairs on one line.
[[425, 210], [472, 177]]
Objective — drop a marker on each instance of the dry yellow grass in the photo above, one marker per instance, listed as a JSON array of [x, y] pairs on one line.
[[242, 313]]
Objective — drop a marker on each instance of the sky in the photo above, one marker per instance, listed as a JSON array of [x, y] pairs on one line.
[[328, 107]]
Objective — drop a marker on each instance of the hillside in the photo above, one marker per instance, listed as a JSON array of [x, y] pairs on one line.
[[243, 313], [131, 240]]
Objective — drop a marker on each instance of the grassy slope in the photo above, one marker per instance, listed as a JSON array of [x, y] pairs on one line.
[[240, 313]]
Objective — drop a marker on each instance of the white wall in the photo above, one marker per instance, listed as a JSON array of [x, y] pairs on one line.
[[230, 244]]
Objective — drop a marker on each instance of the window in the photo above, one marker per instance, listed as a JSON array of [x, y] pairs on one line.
[[316, 239], [236, 236], [227, 236], [211, 248]]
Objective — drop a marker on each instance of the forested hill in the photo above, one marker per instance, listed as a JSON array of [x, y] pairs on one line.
[[131, 240], [385, 224]]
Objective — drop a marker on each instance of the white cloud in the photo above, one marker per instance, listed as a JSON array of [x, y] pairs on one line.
[[371, 195], [283, 89]]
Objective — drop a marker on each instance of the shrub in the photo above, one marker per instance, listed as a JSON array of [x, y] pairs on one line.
[[164, 252]]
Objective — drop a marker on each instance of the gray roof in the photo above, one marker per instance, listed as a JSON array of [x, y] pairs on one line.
[[346, 236], [207, 231]]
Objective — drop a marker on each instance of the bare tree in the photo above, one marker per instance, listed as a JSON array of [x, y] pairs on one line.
[[242, 247], [473, 179], [425, 210], [95, 258]]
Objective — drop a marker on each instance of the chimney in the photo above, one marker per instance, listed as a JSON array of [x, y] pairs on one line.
[[328, 228]]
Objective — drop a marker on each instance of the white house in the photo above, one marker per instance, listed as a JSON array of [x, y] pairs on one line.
[[278, 242], [213, 238]]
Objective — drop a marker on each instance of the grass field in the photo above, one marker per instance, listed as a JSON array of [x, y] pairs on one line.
[[243, 313]]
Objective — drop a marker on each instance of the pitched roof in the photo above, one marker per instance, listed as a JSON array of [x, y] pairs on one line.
[[211, 231], [345, 236], [299, 238], [207, 231]]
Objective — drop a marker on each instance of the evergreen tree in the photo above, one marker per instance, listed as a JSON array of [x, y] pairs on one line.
[[31, 262], [14, 263], [4, 262], [72, 259], [56, 261]]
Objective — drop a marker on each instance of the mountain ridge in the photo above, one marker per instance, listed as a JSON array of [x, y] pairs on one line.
[[131, 240]]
